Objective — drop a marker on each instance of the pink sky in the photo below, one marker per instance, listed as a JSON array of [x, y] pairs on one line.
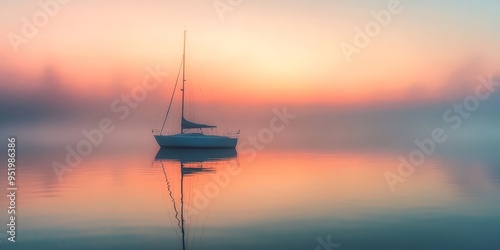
[[261, 51]]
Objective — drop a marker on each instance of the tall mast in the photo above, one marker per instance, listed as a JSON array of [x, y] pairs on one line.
[[183, 77], [182, 210]]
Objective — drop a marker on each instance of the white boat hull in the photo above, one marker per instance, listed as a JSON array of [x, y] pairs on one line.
[[195, 141]]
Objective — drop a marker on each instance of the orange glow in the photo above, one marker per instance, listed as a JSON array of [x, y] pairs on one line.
[[353, 179], [244, 59]]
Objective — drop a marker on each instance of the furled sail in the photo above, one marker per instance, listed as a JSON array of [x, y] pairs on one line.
[[185, 124]]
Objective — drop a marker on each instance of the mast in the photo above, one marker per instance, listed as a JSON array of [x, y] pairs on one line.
[[182, 210], [183, 77], [181, 221]]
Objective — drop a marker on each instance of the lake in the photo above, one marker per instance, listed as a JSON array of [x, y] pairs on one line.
[[148, 198]]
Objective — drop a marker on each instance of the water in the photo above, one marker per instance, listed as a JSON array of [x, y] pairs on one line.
[[281, 199]]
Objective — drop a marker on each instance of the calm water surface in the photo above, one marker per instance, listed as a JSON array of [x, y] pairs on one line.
[[150, 199]]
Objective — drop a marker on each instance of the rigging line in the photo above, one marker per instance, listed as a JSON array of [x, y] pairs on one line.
[[161, 108], [175, 116], [163, 198], [196, 70], [218, 111], [209, 89], [182, 207], [196, 222], [195, 226], [171, 196], [192, 186], [201, 89], [171, 99], [188, 221], [201, 93], [196, 219], [203, 229], [174, 121], [206, 212]]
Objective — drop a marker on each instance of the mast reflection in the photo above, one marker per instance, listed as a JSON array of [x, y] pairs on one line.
[[192, 162]]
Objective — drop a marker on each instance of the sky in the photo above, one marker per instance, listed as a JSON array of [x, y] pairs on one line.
[[253, 55], [265, 47]]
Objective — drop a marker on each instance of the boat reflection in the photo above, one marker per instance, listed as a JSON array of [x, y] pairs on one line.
[[179, 164], [195, 155]]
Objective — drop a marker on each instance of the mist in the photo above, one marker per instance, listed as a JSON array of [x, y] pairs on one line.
[[52, 113]]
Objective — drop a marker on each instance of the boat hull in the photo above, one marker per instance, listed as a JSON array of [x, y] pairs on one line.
[[195, 141]]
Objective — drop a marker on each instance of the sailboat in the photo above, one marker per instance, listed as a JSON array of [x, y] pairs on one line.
[[192, 163], [186, 138]]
